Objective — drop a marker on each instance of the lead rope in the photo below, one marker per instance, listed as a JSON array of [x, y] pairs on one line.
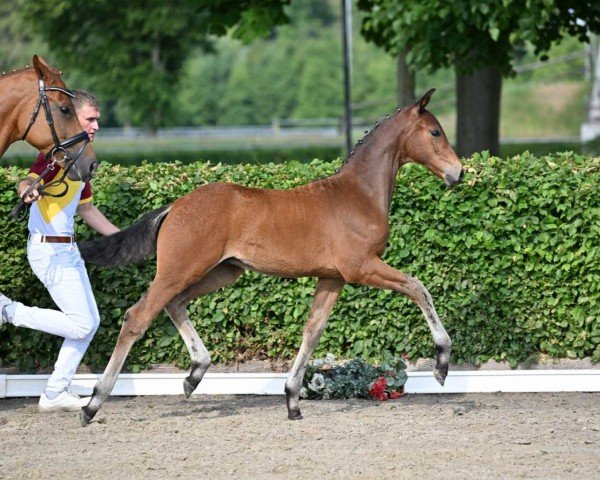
[[20, 210]]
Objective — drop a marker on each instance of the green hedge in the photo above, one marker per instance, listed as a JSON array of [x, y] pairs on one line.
[[511, 257], [229, 156]]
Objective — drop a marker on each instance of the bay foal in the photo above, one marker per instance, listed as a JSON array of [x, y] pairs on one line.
[[335, 229]]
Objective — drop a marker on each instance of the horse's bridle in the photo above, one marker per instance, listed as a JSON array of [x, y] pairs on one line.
[[58, 145], [58, 152]]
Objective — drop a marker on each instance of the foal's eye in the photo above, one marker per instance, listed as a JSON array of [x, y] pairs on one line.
[[435, 133], [65, 110]]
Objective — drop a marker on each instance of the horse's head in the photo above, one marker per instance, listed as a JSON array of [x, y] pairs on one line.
[[44, 131], [425, 143]]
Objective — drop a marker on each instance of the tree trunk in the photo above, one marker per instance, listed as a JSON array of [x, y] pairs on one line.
[[478, 112], [406, 82]]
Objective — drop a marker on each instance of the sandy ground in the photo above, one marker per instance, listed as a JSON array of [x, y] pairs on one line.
[[475, 436]]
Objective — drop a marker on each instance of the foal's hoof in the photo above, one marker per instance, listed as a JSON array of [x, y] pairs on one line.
[[188, 388], [440, 376], [295, 415], [84, 418]]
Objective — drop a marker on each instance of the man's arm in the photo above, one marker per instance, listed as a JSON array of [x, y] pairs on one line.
[[96, 219]]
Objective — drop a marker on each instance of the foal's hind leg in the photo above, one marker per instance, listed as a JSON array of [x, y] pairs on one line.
[[137, 320], [327, 293], [218, 277]]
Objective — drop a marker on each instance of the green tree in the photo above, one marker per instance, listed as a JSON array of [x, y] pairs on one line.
[[320, 92], [480, 40], [16, 41], [270, 78], [203, 81], [135, 50]]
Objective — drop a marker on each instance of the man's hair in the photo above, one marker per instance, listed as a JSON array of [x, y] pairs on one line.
[[83, 98]]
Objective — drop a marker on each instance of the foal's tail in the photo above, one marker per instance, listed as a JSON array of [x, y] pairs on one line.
[[131, 245]]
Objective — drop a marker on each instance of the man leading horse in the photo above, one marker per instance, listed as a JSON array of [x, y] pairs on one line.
[[54, 258]]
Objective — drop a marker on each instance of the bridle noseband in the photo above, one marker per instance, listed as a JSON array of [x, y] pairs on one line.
[[58, 152]]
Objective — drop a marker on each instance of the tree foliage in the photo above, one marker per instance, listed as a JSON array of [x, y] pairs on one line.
[[293, 73], [481, 40], [139, 47], [473, 35], [17, 42], [281, 77]]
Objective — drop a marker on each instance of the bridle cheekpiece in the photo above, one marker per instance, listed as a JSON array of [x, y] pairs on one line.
[[58, 145]]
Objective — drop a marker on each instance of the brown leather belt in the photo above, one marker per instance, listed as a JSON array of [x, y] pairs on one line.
[[56, 239]]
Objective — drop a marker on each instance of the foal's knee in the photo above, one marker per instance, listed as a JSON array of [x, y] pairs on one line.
[[418, 292]]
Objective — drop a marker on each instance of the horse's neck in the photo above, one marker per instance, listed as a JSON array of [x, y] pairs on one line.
[[8, 103], [372, 168]]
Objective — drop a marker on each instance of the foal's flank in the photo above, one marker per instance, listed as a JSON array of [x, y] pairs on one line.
[[335, 229]]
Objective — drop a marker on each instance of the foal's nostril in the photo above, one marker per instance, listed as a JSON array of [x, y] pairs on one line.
[[461, 176]]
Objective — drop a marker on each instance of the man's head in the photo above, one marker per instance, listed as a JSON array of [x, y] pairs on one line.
[[87, 108]]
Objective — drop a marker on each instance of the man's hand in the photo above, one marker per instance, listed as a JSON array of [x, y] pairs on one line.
[[32, 196]]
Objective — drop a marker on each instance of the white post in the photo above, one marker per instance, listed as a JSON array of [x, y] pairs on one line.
[[591, 129], [347, 45]]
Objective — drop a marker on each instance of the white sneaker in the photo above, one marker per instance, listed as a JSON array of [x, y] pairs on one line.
[[66, 401], [4, 302]]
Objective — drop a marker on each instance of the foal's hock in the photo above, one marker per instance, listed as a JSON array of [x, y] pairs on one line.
[[334, 228]]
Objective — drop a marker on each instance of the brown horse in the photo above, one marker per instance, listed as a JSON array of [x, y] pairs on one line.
[[55, 130], [335, 229]]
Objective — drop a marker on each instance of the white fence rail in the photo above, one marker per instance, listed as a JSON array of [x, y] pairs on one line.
[[273, 383]]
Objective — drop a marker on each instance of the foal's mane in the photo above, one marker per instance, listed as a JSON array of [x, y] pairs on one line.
[[369, 136]]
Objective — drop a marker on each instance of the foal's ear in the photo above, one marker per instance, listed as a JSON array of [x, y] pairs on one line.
[[425, 100]]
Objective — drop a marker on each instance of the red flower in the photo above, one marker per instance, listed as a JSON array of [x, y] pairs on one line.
[[395, 394], [405, 356], [377, 390]]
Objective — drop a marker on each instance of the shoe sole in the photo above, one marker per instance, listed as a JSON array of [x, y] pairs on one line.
[[73, 408], [58, 409]]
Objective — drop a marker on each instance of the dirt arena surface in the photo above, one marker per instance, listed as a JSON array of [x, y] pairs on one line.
[[474, 436]]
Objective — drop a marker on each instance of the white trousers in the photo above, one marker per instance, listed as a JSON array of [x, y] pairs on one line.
[[61, 269]]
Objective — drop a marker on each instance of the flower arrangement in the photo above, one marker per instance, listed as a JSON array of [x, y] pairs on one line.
[[326, 378]]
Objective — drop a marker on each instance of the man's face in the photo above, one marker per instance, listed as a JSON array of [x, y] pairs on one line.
[[88, 118]]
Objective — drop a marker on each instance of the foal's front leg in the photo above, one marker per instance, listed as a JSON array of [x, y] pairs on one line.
[[328, 290], [376, 273]]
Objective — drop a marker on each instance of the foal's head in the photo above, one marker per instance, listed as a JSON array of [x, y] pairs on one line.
[[25, 92], [425, 143]]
